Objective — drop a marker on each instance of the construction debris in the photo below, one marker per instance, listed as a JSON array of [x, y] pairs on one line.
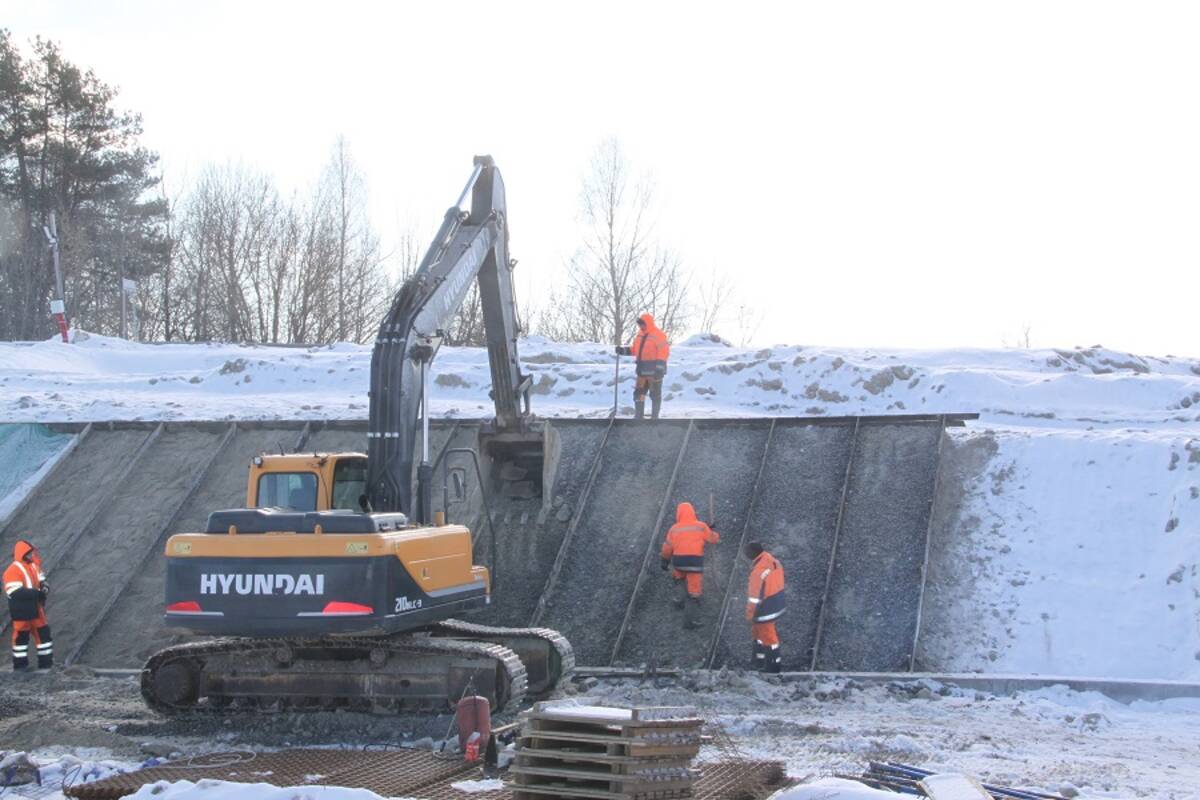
[[941, 786]]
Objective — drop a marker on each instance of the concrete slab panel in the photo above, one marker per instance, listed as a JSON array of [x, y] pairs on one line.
[[724, 459], [588, 602], [113, 548], [529, 533], [871, 613], [794, 516], [133, 629]]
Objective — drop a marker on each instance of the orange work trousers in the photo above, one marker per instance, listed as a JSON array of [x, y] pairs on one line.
[[695, 581], [32, 638]]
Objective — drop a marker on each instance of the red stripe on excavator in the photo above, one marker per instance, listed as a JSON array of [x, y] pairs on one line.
[[338, 607], [184, 607]]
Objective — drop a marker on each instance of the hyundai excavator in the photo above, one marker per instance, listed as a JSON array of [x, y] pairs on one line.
[[337, 586]]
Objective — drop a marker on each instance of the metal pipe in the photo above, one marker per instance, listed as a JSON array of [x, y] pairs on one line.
[[425, 412]]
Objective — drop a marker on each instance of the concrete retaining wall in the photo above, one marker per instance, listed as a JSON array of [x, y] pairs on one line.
[[843, 503]]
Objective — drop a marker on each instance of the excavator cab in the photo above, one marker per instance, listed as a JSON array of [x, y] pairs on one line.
[[312, 482]]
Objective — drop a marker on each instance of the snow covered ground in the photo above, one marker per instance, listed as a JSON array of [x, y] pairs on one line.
[[1046, 740], [1068, 531], [101, 378]]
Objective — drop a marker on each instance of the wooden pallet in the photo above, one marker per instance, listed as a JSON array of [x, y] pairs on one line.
[[606, 753]]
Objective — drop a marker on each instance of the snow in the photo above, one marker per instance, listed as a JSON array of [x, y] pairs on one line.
[[101, 378], [1037, 740], [57, 769], [1074, 548], [1078, 553], [833, 789]]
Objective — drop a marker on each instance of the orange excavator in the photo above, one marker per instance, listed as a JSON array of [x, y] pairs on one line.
[[335, 587]]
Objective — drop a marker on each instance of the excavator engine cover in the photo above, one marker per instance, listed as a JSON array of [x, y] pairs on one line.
[[264, 579]]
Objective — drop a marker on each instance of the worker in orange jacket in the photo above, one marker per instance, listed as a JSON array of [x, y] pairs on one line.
[[26, 589], [683, 553], [764, 604], [651, 350]]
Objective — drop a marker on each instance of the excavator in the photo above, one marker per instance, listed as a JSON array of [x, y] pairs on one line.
[[338, 585]]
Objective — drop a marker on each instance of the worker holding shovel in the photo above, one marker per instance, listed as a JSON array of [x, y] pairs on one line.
[[650, 350]]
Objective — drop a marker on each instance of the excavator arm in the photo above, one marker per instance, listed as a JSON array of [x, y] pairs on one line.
[[470, 245]]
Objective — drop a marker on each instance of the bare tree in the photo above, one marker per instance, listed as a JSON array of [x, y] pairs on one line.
[[620, 271], [713, 293]]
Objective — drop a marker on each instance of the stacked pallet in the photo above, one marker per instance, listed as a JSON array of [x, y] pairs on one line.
[[606, 753]]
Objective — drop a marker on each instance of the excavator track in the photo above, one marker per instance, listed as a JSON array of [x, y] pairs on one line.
[[546, 653], [385, 674]]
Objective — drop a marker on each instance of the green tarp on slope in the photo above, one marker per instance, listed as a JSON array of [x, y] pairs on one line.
[[24, 449]]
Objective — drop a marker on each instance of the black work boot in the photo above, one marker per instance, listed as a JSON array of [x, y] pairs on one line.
[[757, 663], [45, 648], [655, 405], [20, 651], [691, 613], [680, 594], [639, 409]]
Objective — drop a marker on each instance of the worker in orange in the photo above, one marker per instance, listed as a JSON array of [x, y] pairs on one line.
[[651, 350], [683, 553], [26, 589], [764, 604]]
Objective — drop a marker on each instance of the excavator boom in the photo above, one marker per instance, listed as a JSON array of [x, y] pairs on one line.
[[470, 245]]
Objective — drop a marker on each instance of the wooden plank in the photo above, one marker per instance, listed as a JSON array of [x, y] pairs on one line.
[[628, 747], [588, 756], [650, 548], [953, 786]]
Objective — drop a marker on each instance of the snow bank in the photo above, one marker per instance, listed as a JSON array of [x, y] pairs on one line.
[[1072, 553], [100, 378], [833, 789]]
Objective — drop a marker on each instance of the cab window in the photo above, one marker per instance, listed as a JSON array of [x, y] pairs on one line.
[[294, 490], [349, 482]]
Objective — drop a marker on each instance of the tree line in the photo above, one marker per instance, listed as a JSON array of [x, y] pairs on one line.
[[230, 257]]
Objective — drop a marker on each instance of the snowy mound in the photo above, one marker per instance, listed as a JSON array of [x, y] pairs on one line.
[[100, 378]]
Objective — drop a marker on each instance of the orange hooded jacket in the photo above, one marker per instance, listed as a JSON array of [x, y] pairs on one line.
[[764, 591], [650, 346], [685, 541], [23, 582]]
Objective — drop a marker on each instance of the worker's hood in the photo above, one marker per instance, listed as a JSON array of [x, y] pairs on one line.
[[684, 513], [22, 549], [648, 321]]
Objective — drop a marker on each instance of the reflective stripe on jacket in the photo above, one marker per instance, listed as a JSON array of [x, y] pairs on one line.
[[22, 584], [764, 591], [686, 539]]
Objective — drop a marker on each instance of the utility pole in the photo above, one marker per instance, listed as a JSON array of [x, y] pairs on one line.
[[58, 306], [128, 287]]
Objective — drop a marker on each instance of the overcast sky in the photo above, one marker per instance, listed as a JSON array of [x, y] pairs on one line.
[[896, 174]]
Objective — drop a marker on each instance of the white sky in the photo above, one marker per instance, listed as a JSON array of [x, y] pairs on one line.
[[871, 173]]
